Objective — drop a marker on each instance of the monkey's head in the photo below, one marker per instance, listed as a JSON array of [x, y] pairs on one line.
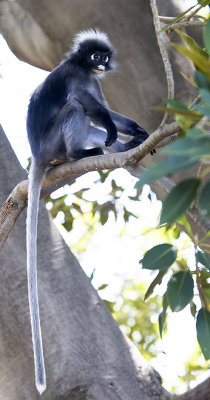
[[93, 51]]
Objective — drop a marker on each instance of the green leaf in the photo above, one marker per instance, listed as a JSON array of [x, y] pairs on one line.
[[193, 309], [205, 94], [168, 166], [204, 200], [200, 61], [203, 110], [157, 281], [188, 78], [161, 256], [191, 43], [180, 290], [194, 115], [178, 200], [203, 331], [163, 315], [206, 236], [92, 274], [177, 104], [195, 133], [206, 36], [193, 148], [104, 286], [203, 3], [183, 221], [201, 81], [203, 258]]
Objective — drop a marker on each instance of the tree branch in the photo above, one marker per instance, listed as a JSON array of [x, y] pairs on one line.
[[184, 24], [200, 392], [181, 24], [164, 54], [65, 173]]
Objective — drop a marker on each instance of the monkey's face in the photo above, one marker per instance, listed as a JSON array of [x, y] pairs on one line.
[[99, 62], [95, 56]]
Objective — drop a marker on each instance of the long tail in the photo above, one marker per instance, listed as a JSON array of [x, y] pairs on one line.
[[35, 183]]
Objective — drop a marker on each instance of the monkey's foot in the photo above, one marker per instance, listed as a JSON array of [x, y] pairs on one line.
[[55, 162]]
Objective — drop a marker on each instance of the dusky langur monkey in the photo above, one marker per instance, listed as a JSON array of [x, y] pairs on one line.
[[64, 118]]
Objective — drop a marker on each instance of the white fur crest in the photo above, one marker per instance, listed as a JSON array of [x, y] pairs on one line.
[[89, 34]]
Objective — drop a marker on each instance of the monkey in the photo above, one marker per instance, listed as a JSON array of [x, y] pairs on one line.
[[69, 118]]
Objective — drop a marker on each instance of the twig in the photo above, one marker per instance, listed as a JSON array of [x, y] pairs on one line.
[[189, 16], [164, 55], [183, 24]]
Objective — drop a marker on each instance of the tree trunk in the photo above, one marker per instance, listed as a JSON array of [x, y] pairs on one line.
[[87, 356]]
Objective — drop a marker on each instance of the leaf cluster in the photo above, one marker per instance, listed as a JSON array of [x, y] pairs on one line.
[[191, 148]]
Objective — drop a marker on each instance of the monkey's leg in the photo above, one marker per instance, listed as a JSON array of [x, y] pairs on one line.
[[75, 127], [129, 127], [97, 137], [97, 151]]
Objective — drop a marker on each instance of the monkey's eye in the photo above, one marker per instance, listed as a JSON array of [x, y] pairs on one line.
[[105, 58], [95, 57]]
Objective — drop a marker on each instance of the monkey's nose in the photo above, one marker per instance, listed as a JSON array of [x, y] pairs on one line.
[[101, 68]]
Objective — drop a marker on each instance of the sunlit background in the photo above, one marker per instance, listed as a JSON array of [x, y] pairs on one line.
[[114, 250]]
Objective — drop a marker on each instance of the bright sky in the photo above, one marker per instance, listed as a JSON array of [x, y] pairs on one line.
[[122, 258]]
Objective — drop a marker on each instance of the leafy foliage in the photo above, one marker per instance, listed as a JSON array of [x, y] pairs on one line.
[[180, 290], [191, 148], [132, 313], [203, 331], [159, 257], [179, 200]]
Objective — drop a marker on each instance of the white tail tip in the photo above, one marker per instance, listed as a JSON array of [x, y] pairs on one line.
[[41, 387]]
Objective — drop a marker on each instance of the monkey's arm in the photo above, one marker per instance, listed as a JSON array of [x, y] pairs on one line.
[[99, 114], [127, 126]]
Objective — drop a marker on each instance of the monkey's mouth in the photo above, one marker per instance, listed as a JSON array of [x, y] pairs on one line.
[[100, 69]]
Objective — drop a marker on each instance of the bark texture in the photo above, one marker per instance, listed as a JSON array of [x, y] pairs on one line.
[[41, 32], [87, 356]]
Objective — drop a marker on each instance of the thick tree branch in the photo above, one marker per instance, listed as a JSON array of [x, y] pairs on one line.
[[64, 173], [200, 392]]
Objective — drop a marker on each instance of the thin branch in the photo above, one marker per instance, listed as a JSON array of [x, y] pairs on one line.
[[193, 13], [164, 54], [166, 20], [184, 24]]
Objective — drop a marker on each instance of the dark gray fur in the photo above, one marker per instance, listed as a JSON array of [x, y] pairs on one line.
[[60, 121]]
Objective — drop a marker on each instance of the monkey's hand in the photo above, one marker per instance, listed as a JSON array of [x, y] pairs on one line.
[[111, 135], [137, 130]]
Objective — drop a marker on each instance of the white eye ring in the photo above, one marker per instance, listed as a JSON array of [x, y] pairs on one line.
[[94, 56], [106, 59]]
